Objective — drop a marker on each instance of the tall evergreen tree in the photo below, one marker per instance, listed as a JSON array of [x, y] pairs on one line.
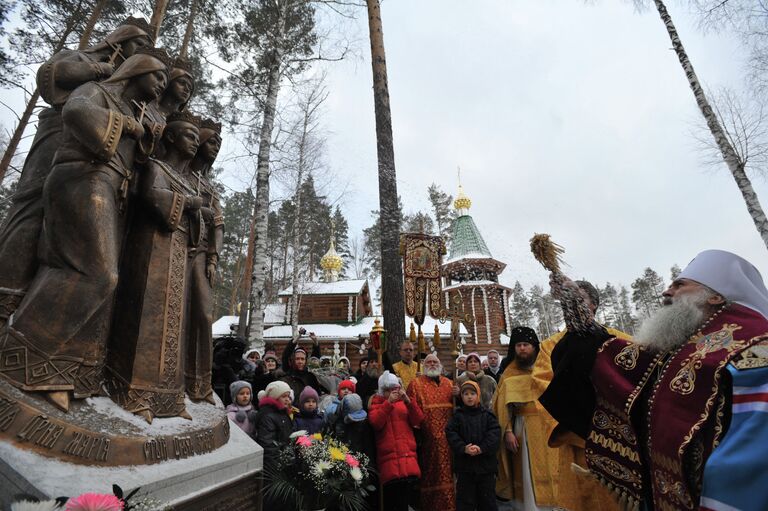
[[442, 209], [674, 272], [393, 303], [419, 222], [520, 307], [646, 292]]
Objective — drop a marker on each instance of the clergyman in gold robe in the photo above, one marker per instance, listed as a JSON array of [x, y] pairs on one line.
[[575, 492], [528, 468]]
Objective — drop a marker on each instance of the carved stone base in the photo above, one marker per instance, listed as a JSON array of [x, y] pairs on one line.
[[97, 431], [185, 464], [228, 478]]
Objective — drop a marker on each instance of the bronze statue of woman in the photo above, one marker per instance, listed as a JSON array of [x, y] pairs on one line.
[[144, 370], [201, 267], [56, 79], [56, 340]]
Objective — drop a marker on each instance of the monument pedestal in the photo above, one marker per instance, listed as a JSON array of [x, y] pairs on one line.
[[187, 465]]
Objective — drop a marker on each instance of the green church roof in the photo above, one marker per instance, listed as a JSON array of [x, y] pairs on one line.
[[467, 242]]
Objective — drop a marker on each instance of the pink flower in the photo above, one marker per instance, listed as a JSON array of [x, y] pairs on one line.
[[95, 502], [304, 441], [352, 461]]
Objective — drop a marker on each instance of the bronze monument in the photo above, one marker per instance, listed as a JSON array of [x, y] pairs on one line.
[[108, 257]]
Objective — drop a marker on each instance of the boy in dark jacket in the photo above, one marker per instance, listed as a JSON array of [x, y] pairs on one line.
[[474, 435]]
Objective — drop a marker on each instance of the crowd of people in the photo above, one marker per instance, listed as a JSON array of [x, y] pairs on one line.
[[537, 428]]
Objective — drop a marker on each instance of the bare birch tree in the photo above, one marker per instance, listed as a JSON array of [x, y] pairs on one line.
[[736, 165], [307, 145]]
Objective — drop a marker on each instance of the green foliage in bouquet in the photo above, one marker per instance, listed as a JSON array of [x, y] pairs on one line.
[[314, 473]]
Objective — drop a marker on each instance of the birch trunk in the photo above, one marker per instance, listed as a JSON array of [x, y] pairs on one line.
[[392, 299], [255, 274], [731, 157]]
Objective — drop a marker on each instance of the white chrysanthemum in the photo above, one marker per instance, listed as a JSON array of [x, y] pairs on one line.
[[356, 473], [321, 466], [25, 505]]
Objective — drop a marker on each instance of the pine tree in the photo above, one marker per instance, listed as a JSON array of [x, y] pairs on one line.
[[372, 240], [674, 272], [646, 292], [626, 321], [341, 239], [236, 210], [443, 211], [520, 307], [418, 222]]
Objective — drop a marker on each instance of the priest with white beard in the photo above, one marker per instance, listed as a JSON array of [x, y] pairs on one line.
[[676, 419]]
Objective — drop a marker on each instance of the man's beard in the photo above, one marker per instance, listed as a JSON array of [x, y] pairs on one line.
[[673, 324], [373, 371], [526, 361], [434, 372]]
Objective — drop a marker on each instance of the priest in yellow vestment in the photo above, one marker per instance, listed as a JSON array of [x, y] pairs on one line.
[[406, 368], [528, 468], [574, 492]]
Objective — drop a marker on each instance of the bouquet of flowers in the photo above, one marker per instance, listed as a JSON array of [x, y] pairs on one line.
[[315, 472]]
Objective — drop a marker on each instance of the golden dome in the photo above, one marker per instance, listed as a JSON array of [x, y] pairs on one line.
[[462, 201], [332, 261]]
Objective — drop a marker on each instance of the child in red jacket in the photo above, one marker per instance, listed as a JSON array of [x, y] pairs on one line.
[[393, 416]]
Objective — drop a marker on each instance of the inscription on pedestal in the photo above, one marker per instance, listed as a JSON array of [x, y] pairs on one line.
[[9, 409], [25, 424], [88, 447], [41, 432]]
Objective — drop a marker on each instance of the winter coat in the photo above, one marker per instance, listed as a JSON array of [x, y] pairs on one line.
[[273, 428], [487, 385], [367, 386], [310, 422], [243, 416], [358, 436], [298, 380], [395, 444], [476, 425]]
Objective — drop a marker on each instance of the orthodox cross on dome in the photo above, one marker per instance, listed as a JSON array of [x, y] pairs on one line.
[[462, 202], [331, 262]]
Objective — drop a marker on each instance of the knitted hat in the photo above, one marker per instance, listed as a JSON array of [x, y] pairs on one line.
[[346, 384], [387, 381], [275, 390], [270, 356], [236, 386], [307, 394], [351, 408], [249, 352]]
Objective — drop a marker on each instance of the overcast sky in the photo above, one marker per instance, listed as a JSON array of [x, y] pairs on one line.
[[566, 118], [570, 119]]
